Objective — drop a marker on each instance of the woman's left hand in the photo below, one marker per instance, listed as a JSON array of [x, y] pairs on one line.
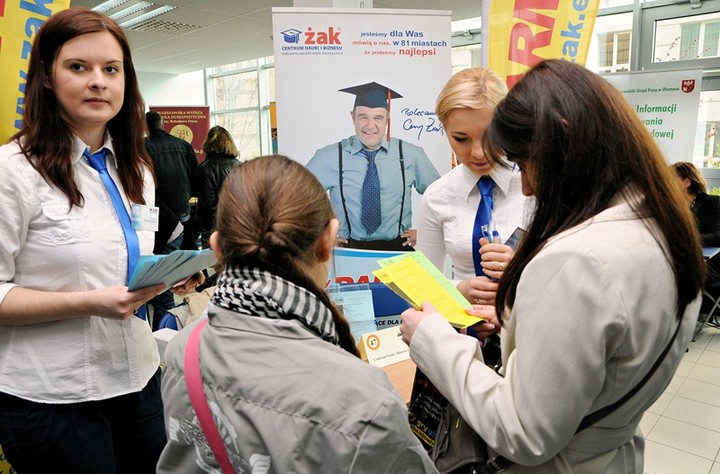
[[189, 285], [411, 319], [495, 258], [411, 236], [490, 323]]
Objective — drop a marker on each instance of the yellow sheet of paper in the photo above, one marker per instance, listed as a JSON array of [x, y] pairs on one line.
[[431, 270], [386, 278], [419, 280]]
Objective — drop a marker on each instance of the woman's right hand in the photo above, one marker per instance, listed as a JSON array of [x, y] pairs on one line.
[[116, 302], [479, 290]]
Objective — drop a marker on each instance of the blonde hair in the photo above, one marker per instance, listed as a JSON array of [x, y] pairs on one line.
[[472, 88]]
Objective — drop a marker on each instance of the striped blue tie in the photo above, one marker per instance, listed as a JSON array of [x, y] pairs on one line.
[[97, 161]]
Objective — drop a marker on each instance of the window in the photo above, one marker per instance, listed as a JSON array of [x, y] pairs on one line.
[[236, 91], [614, 3], [614, 52], [464, 57], [240, 95], [611, 44], [707, 146], [688, 38], [244, 127], [682, 37]]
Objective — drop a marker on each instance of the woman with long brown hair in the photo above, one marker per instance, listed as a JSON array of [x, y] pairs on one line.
[[607, 277], [278, 361], [79, 371]]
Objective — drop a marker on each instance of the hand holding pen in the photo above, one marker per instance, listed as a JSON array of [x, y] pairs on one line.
[[495, 255]]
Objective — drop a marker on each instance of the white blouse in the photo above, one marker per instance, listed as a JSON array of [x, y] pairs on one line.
[[46, 246], [447, 215]]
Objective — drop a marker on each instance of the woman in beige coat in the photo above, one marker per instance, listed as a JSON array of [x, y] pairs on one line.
[[609, 269]]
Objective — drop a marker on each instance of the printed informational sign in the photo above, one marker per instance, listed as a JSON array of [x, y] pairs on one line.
[[319, 51], [356, 266], [521, 33], [19, 22], [667, 102], [190, 123], [384, 347]]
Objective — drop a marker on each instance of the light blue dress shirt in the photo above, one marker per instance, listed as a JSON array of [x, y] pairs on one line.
[[419, 174]]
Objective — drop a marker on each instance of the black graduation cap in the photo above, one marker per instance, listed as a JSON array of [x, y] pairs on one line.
[[372, 95]]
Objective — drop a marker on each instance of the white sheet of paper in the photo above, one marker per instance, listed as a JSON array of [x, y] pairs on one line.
[[357, 306]]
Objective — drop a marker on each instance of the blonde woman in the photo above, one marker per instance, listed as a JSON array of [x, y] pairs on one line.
[[449, 206]]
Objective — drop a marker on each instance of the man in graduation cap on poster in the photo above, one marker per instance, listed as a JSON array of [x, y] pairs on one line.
[[370, 175]]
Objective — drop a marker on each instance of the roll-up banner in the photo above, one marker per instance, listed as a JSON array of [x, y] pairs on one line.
[[319, 51], [667, 102]]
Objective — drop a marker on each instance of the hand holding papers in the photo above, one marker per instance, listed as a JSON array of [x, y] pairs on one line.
[[169, 269], [416, 279]]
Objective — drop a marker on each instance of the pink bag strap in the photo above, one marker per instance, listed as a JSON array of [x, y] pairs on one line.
[[193, 379]]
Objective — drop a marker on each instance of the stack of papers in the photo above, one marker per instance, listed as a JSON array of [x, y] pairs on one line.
[[169, 269], [415, 279], [356, 303]]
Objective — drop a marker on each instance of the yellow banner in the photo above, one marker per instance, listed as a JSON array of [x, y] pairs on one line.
[[524, 32], [19, 21]]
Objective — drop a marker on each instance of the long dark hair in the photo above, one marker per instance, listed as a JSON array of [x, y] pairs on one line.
[[46, 140], [271, 212], [584, 145]]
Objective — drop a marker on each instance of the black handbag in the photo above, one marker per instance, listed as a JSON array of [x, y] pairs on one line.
[[425, 411], [458, 449]]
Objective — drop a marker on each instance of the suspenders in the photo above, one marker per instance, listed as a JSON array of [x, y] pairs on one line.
[[342, 192]]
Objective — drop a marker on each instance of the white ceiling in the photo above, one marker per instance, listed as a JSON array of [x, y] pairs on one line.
[[200, 34]]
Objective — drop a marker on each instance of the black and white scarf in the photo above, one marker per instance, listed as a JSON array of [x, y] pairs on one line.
[[259, 293]]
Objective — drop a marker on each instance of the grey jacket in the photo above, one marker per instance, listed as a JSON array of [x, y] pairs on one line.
[[286, 402]]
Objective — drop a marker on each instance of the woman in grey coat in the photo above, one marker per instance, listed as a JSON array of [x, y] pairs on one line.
[[279, 364]]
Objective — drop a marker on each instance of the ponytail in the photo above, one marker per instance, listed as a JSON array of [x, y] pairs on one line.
[[271, 213]]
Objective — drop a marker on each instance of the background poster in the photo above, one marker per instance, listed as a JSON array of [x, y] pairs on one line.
[[321, 50], [19, 21], [667, 102], [190, 123], [521, 33]]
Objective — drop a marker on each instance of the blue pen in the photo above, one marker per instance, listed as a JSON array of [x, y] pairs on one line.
[[485, 230], [495, 236]]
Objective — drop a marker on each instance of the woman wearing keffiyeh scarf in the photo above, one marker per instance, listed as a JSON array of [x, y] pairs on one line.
[[279, 365]]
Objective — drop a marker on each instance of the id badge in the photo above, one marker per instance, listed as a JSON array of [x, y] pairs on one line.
[[145, 217]]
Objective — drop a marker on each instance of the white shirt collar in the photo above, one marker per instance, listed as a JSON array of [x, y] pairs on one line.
[[500, 174], [79, 147]]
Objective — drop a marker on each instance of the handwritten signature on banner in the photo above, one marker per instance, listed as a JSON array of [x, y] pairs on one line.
[[421, 121]]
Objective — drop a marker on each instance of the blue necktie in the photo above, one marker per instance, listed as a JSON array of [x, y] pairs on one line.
[[370, 198], [486, 185], [97, 161]]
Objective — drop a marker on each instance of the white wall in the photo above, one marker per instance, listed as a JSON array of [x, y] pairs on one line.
[[171, 90]]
